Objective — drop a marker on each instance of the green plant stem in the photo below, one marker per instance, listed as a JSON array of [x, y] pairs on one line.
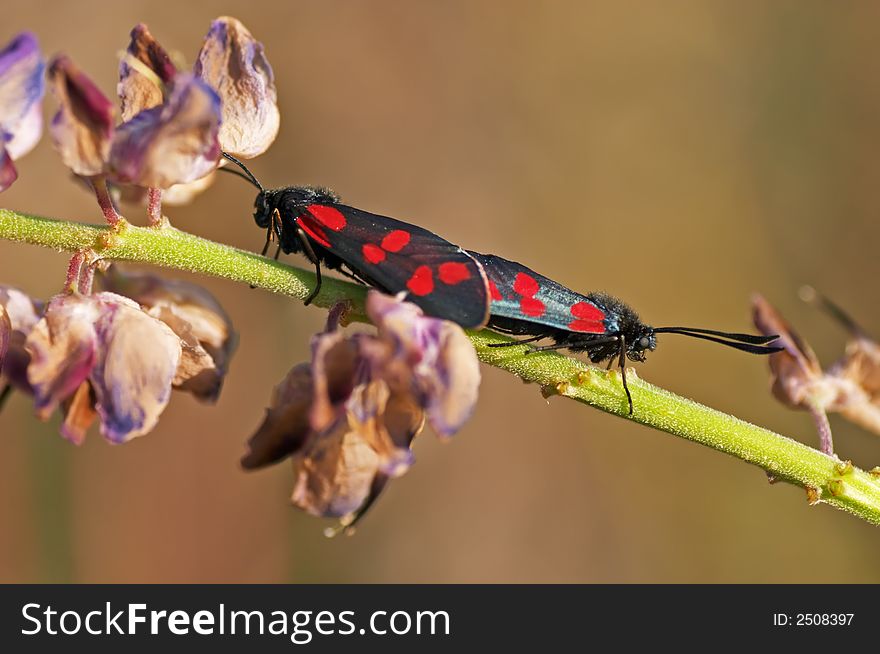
[[826, 478], [171, 248]]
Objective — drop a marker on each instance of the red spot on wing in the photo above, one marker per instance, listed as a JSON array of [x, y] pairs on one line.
[[587, 326], [588, 318], [525, 284], [532, 306], [422, 281], [493, 290], [395, 241], [313, 230], [328, 216], [373, 253], [587, 311], [453, 272]]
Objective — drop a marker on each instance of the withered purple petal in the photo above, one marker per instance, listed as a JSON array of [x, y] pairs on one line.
[[234, 64], [22, 84], [453, 380], [373, 411], [63, 347], [335, 478], [194, 315], [136, 361], [136, 91], [334, 365], [83, 126], [23, 311], [173, 143], [27, 134], [285, 428]]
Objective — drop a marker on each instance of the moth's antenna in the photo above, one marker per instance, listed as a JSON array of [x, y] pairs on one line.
[[750, 343], [237, 173], [754, 339], [248, 175]]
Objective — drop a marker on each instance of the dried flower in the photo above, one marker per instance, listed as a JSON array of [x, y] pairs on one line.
[[848, 387], [348, 418], [110, 357], [233, 63], [797, 375], [21, 89], [202, 325], [860, 366], [104, 346], [174, 124]]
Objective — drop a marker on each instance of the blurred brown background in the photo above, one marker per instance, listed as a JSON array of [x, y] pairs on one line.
[[680, 155]]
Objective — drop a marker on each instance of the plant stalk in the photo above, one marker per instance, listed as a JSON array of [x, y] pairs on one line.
[[825, 478]]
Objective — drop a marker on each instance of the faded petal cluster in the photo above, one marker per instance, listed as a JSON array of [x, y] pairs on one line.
[[101, 356], [110, 358], [194, 315], [850, 386], [174, 124], [145, 77], [348, 418], [22, 85], [172, 143]]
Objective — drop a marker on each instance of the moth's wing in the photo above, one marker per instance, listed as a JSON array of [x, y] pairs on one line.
[[438, 276], [519, 293]]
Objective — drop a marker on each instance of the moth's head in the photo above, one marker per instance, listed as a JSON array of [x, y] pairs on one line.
[[640, 339], [290, 201], [621, 319], [264, 206]]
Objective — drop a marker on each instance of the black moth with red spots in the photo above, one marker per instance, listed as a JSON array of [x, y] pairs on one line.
[[524, 303], [469, 288], [379, 251]]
